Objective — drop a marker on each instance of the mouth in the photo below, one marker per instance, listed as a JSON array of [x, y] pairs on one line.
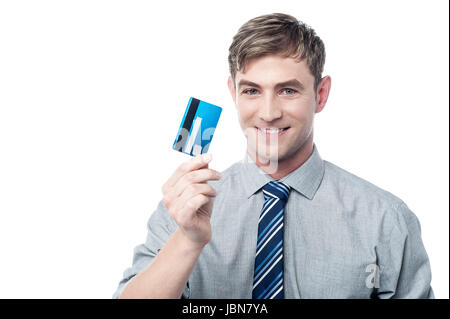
[[271, 131]]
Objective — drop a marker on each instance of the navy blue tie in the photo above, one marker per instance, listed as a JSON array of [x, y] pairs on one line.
[[268, 273]]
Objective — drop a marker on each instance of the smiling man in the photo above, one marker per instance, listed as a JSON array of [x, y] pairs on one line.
[[282, 223], [278, 96]]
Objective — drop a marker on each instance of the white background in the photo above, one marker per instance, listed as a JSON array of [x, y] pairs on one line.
[[92, 94]]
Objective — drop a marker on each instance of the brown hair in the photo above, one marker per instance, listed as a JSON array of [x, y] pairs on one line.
[[280, 34]]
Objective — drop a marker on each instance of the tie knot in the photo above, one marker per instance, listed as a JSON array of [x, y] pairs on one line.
[[276, 189]]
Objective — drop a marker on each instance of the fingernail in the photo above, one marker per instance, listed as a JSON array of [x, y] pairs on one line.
[[207, 158]]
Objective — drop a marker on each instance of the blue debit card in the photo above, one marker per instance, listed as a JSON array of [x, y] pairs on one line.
[[197, 127]]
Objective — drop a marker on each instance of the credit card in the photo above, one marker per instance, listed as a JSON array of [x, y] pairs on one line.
[[197, 127]]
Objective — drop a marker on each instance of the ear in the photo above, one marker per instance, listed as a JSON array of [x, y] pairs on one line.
[[322, 93], [232, 89]]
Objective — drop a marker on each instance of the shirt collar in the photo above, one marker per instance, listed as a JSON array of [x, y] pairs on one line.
[[304, 179]]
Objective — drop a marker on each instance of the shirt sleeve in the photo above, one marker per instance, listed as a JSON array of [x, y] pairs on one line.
[[403, 262], [160, 227]]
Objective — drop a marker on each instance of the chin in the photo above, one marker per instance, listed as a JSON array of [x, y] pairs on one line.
[[272, 155]]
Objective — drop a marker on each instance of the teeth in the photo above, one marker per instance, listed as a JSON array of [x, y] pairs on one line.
[[276, 130]]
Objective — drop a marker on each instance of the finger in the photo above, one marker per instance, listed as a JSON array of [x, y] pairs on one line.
[[195, 189], [194, 177], [195, 163], [192, 190], [187, 214]]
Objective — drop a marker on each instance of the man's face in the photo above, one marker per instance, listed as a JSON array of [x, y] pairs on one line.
[[276, 92]]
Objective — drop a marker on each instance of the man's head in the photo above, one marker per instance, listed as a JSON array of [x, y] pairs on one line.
[[280, 34], [276, 65]]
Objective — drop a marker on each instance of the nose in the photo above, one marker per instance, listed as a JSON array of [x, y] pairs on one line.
[[269, 110]]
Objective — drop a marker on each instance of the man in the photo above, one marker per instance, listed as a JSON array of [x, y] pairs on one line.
[[283, 223]]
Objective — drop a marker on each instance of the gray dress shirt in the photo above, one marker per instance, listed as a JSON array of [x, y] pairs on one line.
[[343, 238]]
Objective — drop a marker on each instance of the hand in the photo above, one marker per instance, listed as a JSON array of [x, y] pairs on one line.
[[189, 199]]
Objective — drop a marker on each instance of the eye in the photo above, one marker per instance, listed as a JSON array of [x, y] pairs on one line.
[[250, 91], [288, 91]]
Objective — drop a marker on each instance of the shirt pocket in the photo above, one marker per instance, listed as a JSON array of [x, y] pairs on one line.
[[339, 279]]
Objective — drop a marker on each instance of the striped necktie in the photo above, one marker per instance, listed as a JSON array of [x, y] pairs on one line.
[[268, 274]]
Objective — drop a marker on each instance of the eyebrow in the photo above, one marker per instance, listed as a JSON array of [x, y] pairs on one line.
[[292, 83]]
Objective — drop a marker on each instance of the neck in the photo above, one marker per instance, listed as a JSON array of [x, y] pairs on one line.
[[286, 165]]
